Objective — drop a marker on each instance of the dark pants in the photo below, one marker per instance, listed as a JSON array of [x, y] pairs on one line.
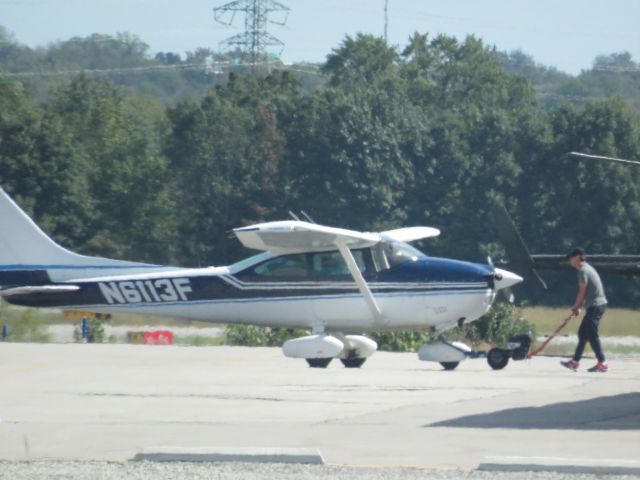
[[588, 332]]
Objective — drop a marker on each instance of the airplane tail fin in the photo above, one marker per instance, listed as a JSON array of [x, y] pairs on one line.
[[25, 249]]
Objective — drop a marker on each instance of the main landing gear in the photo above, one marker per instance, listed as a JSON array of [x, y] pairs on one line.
[[449, 365], [318, 350], [319, 362], [354, 362]]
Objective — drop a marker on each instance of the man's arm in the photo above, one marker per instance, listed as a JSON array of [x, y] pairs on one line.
[[582, 293]]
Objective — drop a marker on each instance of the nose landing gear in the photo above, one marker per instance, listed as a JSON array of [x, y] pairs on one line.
[[518, 349]]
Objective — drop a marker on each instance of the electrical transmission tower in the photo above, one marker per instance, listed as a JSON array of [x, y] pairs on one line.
[[255, 40]]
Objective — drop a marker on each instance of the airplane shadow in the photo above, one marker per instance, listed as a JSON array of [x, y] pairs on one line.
[[617, 412]]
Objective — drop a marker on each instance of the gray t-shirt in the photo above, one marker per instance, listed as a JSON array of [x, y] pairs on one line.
[[595, 292]]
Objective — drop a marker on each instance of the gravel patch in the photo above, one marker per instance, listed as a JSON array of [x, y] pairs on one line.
[[72, 470]]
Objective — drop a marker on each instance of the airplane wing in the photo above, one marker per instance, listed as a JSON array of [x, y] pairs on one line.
[[294, 235]]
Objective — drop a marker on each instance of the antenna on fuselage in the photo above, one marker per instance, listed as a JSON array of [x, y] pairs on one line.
[[294, 216], [307, 216]]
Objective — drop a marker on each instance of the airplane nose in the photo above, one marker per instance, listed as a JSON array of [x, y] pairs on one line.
[[505, 279]]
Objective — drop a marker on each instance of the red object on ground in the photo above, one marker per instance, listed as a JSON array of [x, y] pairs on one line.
[[158, 337], [546, 342]]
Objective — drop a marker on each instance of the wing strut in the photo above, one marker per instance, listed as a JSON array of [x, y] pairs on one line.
[[360, 281]]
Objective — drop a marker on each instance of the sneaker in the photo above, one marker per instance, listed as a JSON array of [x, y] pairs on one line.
[[600, 367], [570, 364]]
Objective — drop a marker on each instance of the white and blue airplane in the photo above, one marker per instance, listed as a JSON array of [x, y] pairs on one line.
[[337, 283]]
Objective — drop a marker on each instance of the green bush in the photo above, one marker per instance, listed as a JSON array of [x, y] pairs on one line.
[[95, 331], [253, 336], [496, 327], [401, 341], [25, 327]]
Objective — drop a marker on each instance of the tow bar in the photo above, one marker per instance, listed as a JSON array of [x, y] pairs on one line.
[[518, 348]]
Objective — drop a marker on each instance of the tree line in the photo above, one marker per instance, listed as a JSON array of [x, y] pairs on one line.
[[429, 134]]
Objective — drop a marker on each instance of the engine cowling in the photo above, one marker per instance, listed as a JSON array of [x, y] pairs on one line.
[[444, 352], [313, 346], [357, 346]]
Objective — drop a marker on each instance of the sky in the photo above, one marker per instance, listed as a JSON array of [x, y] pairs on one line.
[[566, 34]]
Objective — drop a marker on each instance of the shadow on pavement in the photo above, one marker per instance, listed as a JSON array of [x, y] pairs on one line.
[[617, 412]]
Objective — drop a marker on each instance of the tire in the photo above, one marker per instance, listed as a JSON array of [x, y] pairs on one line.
[[319, 362], [449, 365], [497, 358], [353, 362]]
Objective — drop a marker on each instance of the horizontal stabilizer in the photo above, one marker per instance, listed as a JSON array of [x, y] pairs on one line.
[[31, 289]]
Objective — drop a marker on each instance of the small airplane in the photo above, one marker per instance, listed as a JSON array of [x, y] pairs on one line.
[[337, 283]]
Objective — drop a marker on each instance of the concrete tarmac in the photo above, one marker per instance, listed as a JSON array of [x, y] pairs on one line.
[[110, 402]]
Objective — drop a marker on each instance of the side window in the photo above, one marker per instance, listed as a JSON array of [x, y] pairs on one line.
[[331, 264], [287, 266], [379, 258]]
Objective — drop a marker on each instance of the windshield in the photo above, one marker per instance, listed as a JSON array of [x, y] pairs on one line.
[[390, 254], [248, 262]]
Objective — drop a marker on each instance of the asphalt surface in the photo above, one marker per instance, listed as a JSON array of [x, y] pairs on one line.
[[105, 403]]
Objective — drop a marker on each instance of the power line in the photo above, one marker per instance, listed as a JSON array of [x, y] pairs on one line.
[[153, 68], [215, 68]]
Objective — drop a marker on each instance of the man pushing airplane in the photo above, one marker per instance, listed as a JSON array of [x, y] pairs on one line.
[[591, 296]]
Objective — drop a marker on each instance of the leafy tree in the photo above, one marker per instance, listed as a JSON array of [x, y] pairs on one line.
[[19, 124], [477, 117], [115, 144], [227, 151], [576, 202], [98, 52]]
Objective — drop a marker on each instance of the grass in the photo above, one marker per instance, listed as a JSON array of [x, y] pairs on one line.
[[617, 322], [198, 341]]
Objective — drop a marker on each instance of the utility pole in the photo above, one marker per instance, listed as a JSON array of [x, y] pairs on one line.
[[386, 20], [255, 39]]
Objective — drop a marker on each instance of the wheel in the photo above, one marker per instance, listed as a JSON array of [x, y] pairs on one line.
[[497, 358], [449, 365], [319, 362], [353, 362]]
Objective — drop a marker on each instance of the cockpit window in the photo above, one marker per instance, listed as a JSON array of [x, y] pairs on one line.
[[290, 266], [306, 265], [331, 264], [387, 255]]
